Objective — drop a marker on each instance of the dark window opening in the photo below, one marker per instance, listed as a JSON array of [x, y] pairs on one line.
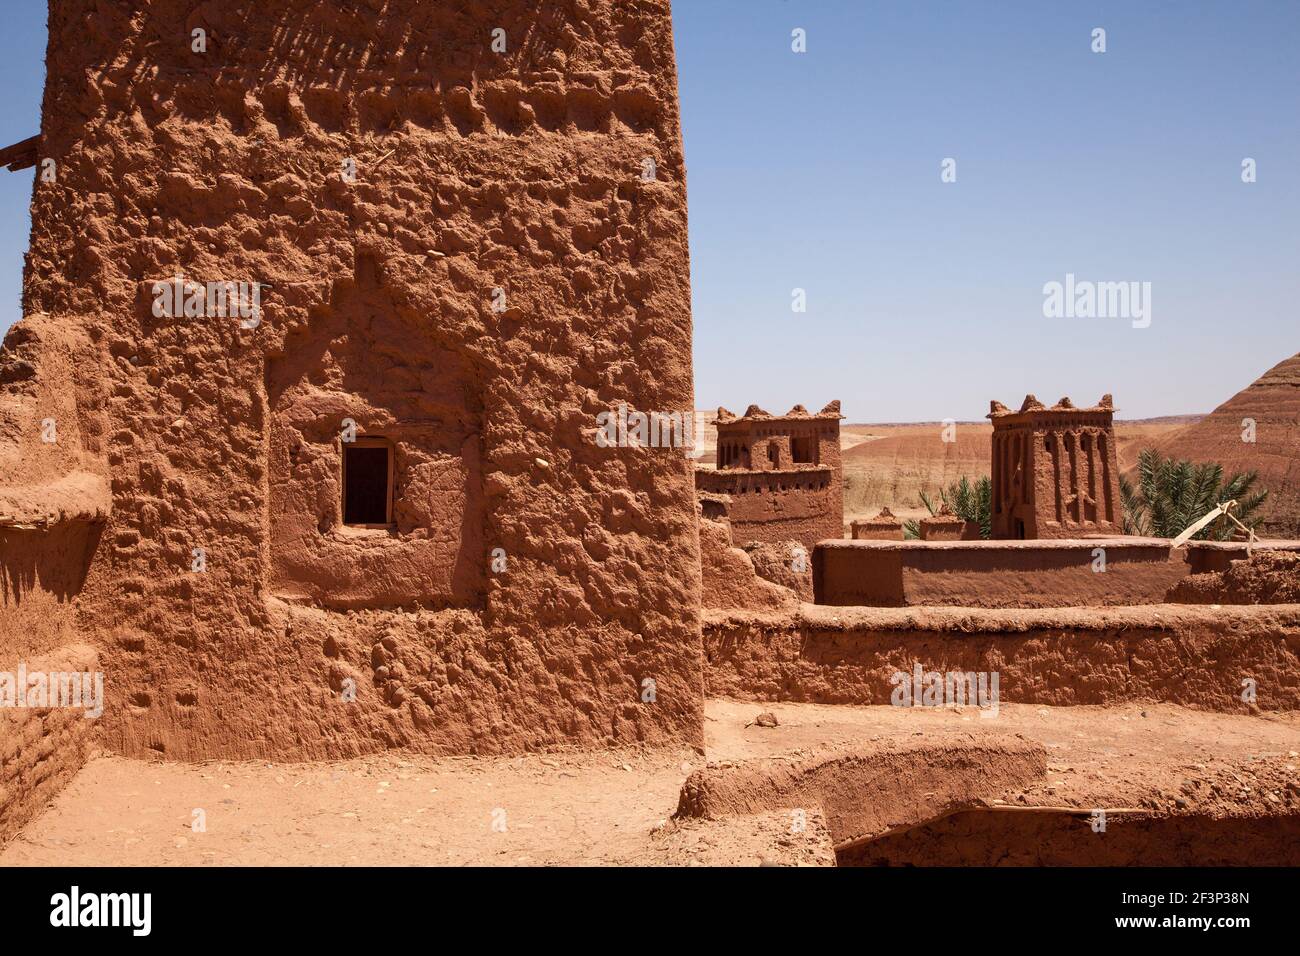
[[803, 451], [367, 483]]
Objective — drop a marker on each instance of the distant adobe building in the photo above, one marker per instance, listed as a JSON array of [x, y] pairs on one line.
[[883, 527], [782, 474], [1055, 473], [943, 525]]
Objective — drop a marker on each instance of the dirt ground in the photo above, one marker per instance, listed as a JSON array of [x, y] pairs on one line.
[[611, 809]]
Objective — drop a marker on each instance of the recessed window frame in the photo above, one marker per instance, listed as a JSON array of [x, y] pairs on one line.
[[804, 449], [369, 441]]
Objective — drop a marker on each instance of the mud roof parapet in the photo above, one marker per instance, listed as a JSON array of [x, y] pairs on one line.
[[1032, 406], [756, 414]]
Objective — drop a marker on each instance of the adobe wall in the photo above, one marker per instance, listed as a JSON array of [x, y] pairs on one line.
[[42, 748], [1271, 576], [947, 527], [54, 494], [780, 476], [1055, 473], [787, 563], [1194, 656], [729, 578], [54, 499], [998, 573], [883, 527], [552, 172], [775, 506]]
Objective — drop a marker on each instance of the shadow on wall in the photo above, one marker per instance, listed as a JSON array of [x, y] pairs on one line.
[[53, 561]]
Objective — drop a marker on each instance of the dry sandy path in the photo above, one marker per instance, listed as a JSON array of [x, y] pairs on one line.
[[399, 809]]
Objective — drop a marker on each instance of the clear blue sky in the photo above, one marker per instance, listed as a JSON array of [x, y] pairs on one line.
[[821, 171], [22, 80]]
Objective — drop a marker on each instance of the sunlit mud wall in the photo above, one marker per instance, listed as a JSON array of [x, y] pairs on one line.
[[468, 223], [53, 500]]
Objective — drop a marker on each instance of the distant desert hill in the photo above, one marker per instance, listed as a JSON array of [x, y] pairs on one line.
[[890, 465], [1273, 403]]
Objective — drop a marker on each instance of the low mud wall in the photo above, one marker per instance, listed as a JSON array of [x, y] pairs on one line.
[[871, 788], [1085, 572], [44, 736], [1226, 659], [44, 740]]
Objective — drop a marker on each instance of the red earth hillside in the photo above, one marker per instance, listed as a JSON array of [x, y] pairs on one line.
[[1273, 403]]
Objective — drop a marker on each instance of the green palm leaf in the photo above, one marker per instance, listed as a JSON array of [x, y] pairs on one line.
[[1172, 494]]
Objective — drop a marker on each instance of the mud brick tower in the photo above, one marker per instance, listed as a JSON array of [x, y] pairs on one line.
[[782, 473], [375, 516], [1055, 473]]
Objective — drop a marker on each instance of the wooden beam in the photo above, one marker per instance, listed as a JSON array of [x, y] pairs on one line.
[[21, 155]]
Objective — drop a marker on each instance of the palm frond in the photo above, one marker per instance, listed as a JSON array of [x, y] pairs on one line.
[[929, 504], [1172, 494]]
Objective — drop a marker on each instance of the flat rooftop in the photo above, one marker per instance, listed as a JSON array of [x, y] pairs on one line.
[[1053, 544]]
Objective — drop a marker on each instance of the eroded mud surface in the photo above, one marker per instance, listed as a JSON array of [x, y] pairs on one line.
[[618, 808]]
